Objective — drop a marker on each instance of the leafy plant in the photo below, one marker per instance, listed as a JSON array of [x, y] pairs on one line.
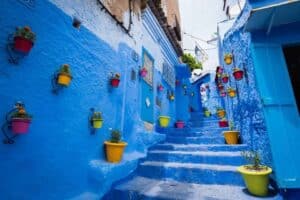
[[65, 69], [115, 136], [26, 33], [253, 158], [117, 76], [231, 125], [97, 116], [21, 113], [191, 61]]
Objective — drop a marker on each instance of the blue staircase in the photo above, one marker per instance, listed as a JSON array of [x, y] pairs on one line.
[[193, 163]]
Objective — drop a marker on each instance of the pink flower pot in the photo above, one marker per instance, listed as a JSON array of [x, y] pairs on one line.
[[20, 125], [225, 79], [143, 73], [238, 75], [179, 124], [160, 88], [223, 123]]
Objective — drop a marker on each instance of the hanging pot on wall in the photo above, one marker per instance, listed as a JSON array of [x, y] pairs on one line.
[[143, 72], [221, 112], [231, 92], [64, 75], [225, 78], [223, 123], [222, 93], [24, 39], [115, 80], [228, 57], [238, 74]]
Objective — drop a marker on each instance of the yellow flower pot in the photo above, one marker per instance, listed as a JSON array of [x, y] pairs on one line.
[[256, 181], [64, 79], [231, 137], [221, 113], [228, 59], [231, 93], [207, 113], [114, 151], [164, 121], [97, 123]]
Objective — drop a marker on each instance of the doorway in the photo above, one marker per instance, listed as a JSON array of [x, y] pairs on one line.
[[292, 57]]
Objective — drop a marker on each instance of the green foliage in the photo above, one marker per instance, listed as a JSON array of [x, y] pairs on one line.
[[254, 159], [97, 116], [65, 69], [191, 61], [115, 136], [19, 114], [26, 33], [231, 125]]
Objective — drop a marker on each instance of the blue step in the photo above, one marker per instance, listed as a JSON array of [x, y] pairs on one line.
[[142, 188], [208, 157], [191, 172], [195, 140], [200, 147]]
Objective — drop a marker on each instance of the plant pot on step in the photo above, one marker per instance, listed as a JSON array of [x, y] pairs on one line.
[[231, 137], [164, 121], [114, 148], [179, 124]]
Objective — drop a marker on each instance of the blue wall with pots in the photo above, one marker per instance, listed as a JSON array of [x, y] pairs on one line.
[[59, 158]]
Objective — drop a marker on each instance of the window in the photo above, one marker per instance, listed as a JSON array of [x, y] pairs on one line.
[[169, 75]]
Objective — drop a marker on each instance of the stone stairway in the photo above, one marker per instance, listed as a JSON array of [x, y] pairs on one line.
[[193, 163]]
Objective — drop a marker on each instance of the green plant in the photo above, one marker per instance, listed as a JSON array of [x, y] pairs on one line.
[[21, 113], [191, 61], [97, 116], [223, 119], [65, 69], [231, 126], [253, 158], [225, 75], [26, 33], [115, 136], [117, 76]]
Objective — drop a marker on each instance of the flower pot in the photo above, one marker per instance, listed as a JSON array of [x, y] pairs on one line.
[[228, 60], [221, 113], [20, 125], [179, 124], [225, 79], [220, 87], [231, 93], [22, 44], [160, 88], [223, 94], [231, 137], [256, 181], [223, 123], [97, 123], [64, 79], [238, 74], [220, 70], [164, 121], [207, 113], [114, 82], [143, 72], [114, 151]]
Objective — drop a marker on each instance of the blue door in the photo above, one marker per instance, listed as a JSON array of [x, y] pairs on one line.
[[280, 110], [147, 89]]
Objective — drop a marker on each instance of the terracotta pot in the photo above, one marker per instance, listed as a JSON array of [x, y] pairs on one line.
[[22, 44]]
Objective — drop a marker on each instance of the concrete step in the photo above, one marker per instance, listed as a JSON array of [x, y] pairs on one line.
[[199, 147], [144, 188], [191, 172], [195, 140], [208, 157]]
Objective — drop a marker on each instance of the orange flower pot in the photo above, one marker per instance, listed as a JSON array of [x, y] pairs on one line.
[[221, 113], [231, 137], [64, 79], [114, 151]]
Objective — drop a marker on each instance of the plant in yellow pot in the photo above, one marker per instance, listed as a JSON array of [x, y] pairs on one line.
[[206, 112], [228, 57], [164, 121], [115, 147], [231, 136], [255, 175], [64, 75], [97, 120], [231, 92]]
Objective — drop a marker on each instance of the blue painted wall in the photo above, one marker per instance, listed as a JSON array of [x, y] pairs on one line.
[[261, 3], [59, 158]]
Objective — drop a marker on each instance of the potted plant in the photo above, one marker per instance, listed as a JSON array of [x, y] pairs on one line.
[[220, 86], [255, 175], [164, 121], [171, 96], [20, 121], [64, 75], [221, 112], [207, 113], [225, 78], [223, 123], [219, 70], [179, 124], [238, 74], [143, 72], [228, 58], [231, 136], [97, 120], [24, 39], [231, 92], [114, 147], [222, 93], [160, 88], [115, 80]]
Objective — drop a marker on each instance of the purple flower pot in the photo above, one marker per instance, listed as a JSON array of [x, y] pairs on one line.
[[20, 125], [179, 124]]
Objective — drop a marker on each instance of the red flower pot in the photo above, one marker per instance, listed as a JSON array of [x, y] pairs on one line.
[[143, 72], [114, 82], [22, 44], [238, 74], [223, 123], [20, 125], [179, 124], [225, 79]]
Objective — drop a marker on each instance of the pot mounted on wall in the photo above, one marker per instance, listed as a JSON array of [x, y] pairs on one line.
[[96, 120], [238, 74], [228, 57], [143, 72], [62, 78], [17, 122], [115, 80], [225, 78]]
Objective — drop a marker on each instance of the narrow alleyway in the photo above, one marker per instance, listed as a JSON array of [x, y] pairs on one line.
[[193, 163]]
